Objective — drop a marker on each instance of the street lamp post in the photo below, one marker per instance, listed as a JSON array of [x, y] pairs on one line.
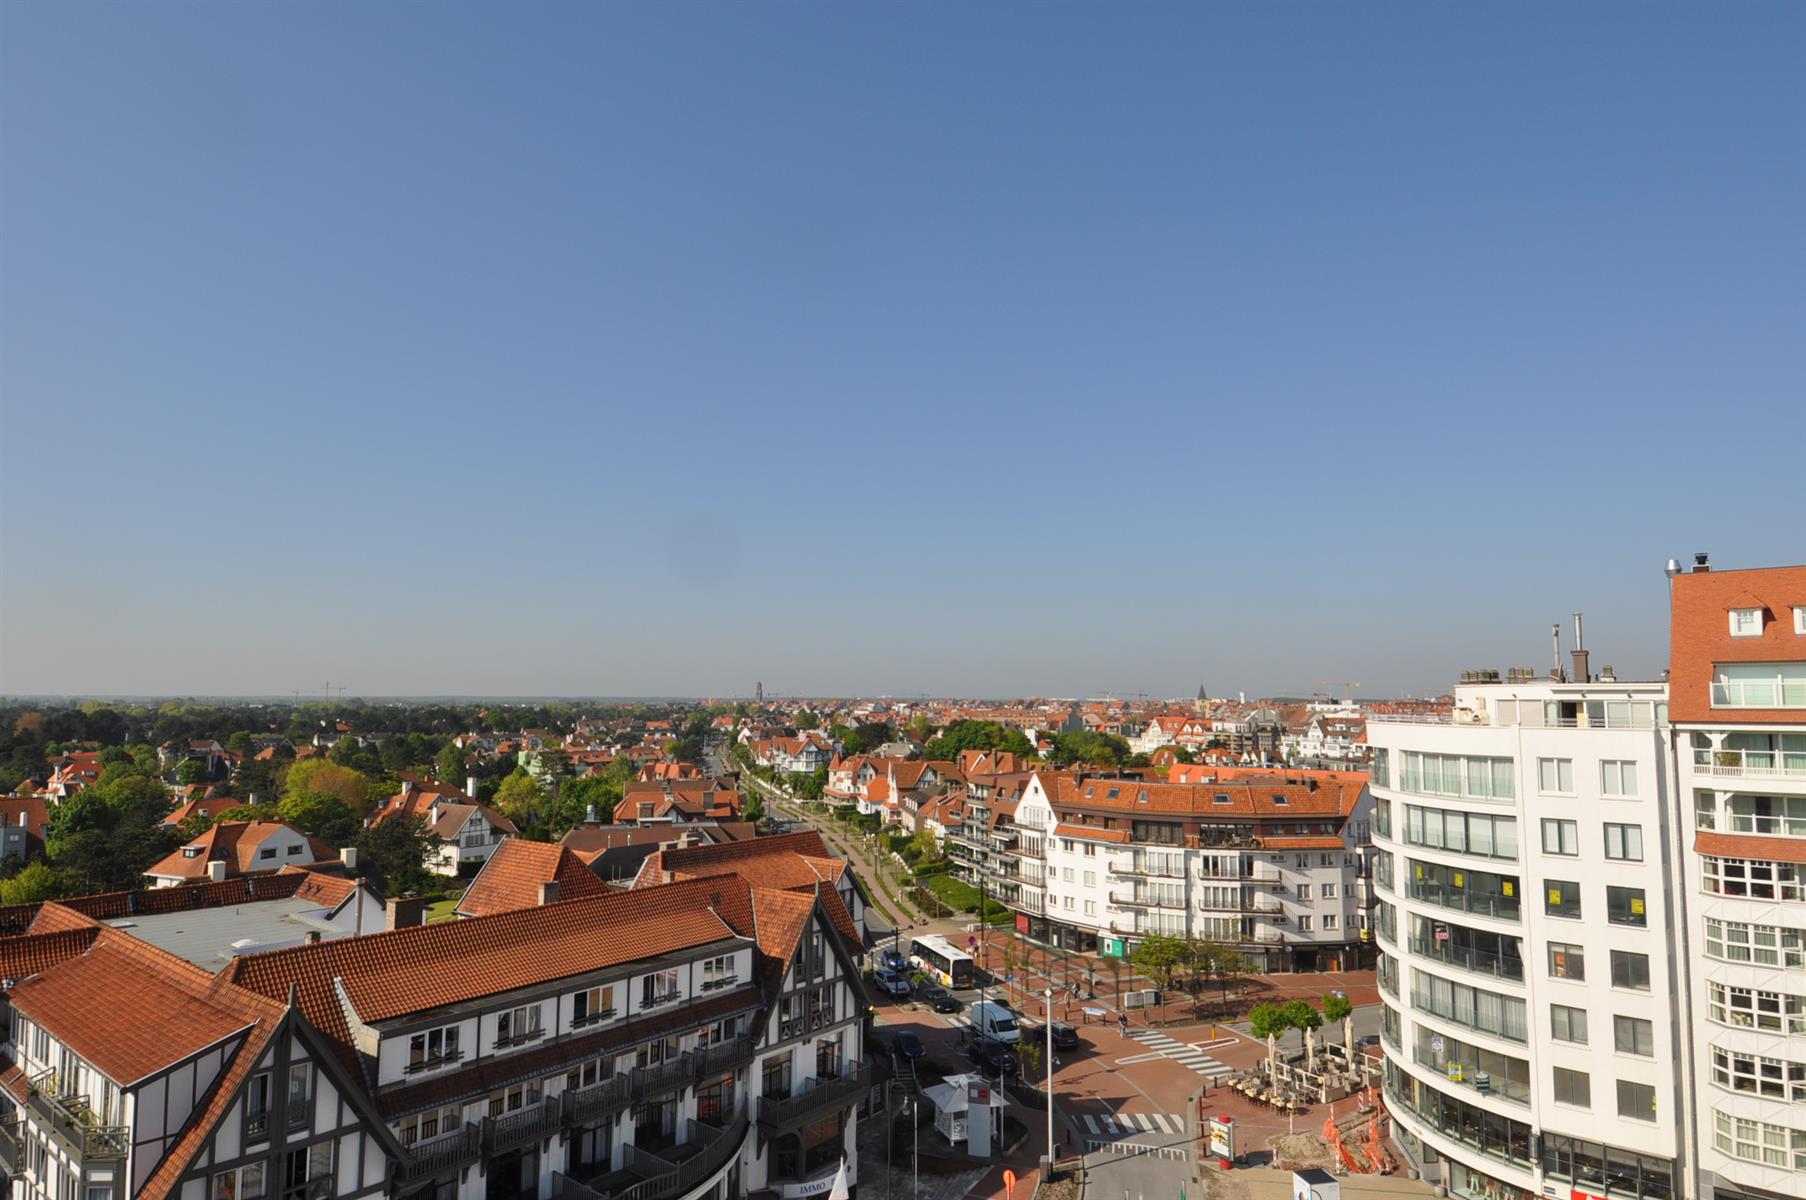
[[1050, 1091]]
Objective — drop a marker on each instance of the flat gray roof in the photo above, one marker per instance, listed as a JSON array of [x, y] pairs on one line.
[[212, 937]]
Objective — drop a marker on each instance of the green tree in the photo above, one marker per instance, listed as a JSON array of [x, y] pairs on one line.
[[104, 837], [1337, 1009], [192, 771], [978, 735], [518, 798], [396, 852], [867, 737], [1161, 957], [321, 814], [806, 719], [34, 884], [335, 779], [754, 808], [1299, 1015], [240, 742], [1268, 1023], [448, 766], [1095, 749]]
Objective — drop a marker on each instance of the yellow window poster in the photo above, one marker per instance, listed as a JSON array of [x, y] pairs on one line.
[[1509, 888], [1555, 896], [1636, 905]]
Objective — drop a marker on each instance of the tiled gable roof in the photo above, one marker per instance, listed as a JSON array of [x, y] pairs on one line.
[[25, 956], [131, 1009], [415, 970], [512, 877]]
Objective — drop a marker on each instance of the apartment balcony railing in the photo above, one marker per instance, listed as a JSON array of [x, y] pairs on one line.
[[817, 1095], [1269, 936], [1031, 902], [530, 1124], [452, 1150], [662, 1178], [585, 1106], [1036, 880], [804, 1022], [1736, 764], [714, 1060], [70, 1119], [1499, 908], [1140, 899], [1481, 962], [9, 1148]]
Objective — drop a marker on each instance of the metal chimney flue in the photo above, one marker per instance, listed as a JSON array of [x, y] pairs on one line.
[[1555, 637], [1580, 653]]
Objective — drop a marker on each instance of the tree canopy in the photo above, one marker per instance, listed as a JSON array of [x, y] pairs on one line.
[[978, 735]]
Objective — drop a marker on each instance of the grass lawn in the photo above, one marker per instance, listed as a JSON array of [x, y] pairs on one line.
[[440, 910]]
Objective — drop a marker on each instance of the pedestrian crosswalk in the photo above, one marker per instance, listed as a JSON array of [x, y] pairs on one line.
[[1114, 1125], [1137, 1149], [1184, 1055]]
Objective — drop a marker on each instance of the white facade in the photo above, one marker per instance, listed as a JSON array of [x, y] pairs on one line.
[[1746, 933], [1280, 905], [1528, 961]]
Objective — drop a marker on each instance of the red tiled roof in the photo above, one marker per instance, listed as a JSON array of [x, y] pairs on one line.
[[512, 877], [235, 843], [1323, 842], [131, 1009], [25, 956], [1090, 833], [1699, 636], [415, 970], [1749, 845]]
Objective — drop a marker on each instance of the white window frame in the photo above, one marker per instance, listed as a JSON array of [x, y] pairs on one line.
[[1566, 840], [1746, 622], [1545, 767], [1623, 843], [1618, 778]]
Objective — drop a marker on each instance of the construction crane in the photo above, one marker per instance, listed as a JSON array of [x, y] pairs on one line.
[[1348, 686]]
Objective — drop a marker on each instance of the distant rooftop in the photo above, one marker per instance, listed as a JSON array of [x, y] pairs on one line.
[[212, 937]]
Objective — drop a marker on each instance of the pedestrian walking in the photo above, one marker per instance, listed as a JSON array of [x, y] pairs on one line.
[[1122, 1024]]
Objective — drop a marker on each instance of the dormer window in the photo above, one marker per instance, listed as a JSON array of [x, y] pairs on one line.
[[1746, 622], [1799, 619], [191, 851], [1279, 801]]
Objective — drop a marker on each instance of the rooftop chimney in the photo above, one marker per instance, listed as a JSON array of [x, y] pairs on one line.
[[1555, 636], [589, 815], [216, 871], [403, 912], [470, 786], [1580, 653], [348, 856], [1699, 563], [548, 892]]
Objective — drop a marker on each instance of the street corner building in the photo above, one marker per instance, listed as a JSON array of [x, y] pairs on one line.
[[1590, 915]]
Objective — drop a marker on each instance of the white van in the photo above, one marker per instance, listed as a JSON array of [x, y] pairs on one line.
[[992, 1020]]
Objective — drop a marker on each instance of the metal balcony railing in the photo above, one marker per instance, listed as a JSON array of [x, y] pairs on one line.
[[663, 1179], [1499, 908], [530, 1124], [450, 1151], [587, 1105], [1137, 898], [73, 1121], [1481, 962], [816, 1095]]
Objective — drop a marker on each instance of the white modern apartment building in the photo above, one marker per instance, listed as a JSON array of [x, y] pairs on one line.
[[1737, 684], [1527, 940], [1274, 862]]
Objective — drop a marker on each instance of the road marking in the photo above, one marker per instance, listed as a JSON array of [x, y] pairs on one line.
[[1181, 1053], [1119, 1124], [1123, 1149]]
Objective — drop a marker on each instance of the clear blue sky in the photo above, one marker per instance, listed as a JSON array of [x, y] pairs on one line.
[[977, 349]]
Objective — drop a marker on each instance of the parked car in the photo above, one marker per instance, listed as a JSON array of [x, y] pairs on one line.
[[942, 1000], [1065, 1037], [993, 1057], [891, 984], [908, 1045], [891, 960]]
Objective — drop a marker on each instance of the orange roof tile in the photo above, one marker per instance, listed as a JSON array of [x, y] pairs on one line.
[[131, 1009], [512, 877], [1749, 845]]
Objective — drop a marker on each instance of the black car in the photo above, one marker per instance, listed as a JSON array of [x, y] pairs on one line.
[[908, 1045], [1065, 1037], [942, 1000], [993, 1058]]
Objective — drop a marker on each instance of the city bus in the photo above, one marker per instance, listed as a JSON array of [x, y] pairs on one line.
[[939, 958]]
